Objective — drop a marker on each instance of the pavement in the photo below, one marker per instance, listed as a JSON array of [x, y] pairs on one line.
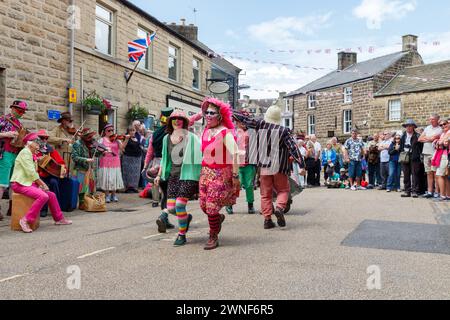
[[338, 244]]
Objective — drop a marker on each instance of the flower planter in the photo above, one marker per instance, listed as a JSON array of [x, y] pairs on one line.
[[94, 110]]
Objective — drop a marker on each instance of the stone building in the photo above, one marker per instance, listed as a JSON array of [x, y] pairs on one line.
[[34, 57], [415, 93], [35, 61], [342, 100], [256, 107]]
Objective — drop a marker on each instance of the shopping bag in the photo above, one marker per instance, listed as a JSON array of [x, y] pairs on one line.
[[95, 202]]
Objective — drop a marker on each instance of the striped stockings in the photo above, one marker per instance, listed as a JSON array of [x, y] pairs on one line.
[[179, 205], [214, 223]]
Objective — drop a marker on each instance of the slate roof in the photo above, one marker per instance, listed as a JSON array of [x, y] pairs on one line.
[[356, 72], [426, 77], [221, 62]]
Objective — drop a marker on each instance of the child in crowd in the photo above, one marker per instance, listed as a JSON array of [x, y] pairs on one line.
[[344, 179]]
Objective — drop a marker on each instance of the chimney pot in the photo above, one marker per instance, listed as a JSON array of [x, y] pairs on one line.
[[183, 21]]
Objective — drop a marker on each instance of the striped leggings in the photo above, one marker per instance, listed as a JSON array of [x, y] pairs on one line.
[[178, 206]]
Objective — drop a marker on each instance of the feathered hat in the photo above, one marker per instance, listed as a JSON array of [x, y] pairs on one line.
[[224, 109]]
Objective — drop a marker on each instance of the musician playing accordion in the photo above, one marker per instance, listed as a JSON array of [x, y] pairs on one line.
[[52, 167], [10, 126]]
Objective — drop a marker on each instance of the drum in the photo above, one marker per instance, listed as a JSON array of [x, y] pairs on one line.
[[49, 165]]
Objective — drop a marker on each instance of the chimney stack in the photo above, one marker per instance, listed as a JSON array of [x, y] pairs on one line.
[[409, 42], [346, 59], [188, 31]]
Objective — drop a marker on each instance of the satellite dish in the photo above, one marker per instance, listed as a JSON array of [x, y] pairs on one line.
[[219, 87]]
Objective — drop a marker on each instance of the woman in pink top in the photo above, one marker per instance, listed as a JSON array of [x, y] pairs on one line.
[[109, 173], [219, 179]]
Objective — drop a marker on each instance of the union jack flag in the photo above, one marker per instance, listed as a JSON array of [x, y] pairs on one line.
[[137, 48]]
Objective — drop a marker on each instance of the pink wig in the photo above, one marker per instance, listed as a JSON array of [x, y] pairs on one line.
[[224, 109]]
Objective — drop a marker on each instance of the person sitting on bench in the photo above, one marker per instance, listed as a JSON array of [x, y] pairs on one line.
[[26, 181]]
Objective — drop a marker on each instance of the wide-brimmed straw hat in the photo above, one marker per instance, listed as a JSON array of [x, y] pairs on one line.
[[65, 116]]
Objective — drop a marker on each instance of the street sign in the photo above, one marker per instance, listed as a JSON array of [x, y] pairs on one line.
[[73, 95], [219, 87], [54, 114]]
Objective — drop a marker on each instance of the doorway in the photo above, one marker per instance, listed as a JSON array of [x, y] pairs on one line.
[[107, 118]]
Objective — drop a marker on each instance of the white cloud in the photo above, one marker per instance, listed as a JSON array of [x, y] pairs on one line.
[[277, 77], [232, 34], [285, 30], [377, 11]]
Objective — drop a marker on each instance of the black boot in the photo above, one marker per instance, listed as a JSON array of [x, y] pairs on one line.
[[251, 209]]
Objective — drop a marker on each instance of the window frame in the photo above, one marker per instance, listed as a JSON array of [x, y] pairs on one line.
[[177, 64], [311, 125], [149, 55], [287, 106], [312, 101], [389, 116], [347, 95], [110, 24], [346, 121], [199, 69]]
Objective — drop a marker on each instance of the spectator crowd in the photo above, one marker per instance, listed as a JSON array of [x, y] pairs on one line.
[[420, 155]]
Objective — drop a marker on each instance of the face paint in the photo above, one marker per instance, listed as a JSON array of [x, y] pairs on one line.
[[177, 123], [16, 114], [212, 117]]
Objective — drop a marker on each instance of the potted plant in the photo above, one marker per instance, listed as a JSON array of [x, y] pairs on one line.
[[136, 112], [95, 105]]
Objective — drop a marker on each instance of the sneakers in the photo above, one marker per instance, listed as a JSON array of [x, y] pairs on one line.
[[268, 224], [180, 241], [415, 195], [436, 195], [212, 243], [115, 199], [24, 225], [279, 213], [353, 188], [108, 199], [399, 190], [361, 188], [63, 222], [229, 209], [155, 204], [388, 190], [427, 196]]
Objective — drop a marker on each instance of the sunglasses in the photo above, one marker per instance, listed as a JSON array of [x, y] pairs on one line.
[[443, 124], [211, 113], [110, 130]]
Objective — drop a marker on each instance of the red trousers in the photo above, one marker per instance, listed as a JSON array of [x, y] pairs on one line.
[[278, 183]]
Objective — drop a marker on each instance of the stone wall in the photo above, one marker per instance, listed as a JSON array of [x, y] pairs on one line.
[[417, 106], [329, 112], [105, 74], [34, 62], [34, 57], [330, 108]]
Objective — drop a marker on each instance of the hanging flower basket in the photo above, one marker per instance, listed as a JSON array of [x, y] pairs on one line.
[[137, 113], [95, 105]]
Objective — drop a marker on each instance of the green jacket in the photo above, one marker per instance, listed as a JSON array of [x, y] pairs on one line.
[[192, 159]]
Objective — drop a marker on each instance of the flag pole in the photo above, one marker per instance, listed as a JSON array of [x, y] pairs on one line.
[[135, 67]]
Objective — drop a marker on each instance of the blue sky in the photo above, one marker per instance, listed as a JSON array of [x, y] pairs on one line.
[[252, 28]]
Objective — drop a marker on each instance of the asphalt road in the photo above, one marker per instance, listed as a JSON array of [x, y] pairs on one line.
[[335, 242]]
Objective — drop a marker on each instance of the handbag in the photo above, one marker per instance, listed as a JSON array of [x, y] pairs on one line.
[[95, 202], [405, 157]]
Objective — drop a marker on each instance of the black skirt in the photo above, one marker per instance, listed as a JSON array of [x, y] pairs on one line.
[[181, 188]]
